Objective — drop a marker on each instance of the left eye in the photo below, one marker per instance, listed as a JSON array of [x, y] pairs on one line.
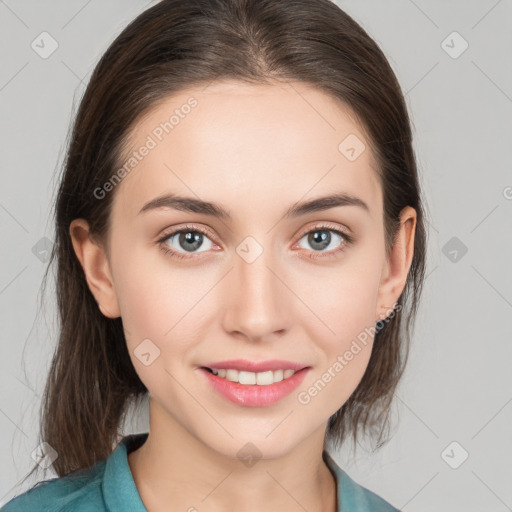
[[321, 239]]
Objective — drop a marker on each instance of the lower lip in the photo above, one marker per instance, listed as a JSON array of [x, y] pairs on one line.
[[253, 395]]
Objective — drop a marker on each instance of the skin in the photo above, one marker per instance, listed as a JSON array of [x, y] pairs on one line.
[[256, 150]]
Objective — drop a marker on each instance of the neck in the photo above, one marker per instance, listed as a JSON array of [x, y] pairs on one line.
[[175, 467]]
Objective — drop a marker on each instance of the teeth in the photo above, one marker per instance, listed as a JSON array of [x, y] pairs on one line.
[[260, 378]]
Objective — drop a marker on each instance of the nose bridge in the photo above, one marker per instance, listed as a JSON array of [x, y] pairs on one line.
[[258, 297]]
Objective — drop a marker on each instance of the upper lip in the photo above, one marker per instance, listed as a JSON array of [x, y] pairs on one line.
[[253, 366]]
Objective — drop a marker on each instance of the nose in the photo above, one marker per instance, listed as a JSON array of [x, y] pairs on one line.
[[258, 300]]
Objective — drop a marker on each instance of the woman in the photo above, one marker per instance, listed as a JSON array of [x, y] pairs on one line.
[[270, 136]]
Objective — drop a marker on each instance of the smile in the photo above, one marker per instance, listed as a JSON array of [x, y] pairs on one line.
[[251, 389], [260, 378]]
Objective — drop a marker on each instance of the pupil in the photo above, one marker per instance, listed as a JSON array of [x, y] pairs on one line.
[[191, 237], [323, 239]]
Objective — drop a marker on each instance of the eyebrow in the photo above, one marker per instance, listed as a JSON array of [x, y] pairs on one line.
[[193, 205]]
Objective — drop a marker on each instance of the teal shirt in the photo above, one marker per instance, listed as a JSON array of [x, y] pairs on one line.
[[108, 486]]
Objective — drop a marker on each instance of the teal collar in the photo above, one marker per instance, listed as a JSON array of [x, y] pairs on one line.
[[119, 489]]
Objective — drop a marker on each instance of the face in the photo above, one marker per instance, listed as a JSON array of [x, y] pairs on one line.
[[255, 284]]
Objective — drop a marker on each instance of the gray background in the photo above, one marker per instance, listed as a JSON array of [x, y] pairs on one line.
[[458, 385]]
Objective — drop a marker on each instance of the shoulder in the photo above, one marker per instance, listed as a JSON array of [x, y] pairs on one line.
[[77, 492], [354, 497]]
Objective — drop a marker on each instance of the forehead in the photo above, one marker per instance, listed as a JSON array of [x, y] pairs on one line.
[[278, 143]]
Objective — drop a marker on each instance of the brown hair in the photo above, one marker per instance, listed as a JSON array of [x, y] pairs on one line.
[[170, 47]]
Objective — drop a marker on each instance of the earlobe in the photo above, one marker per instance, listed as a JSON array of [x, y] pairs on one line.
[[396, 268], [96, 267]]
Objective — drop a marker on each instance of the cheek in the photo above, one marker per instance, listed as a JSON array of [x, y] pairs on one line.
[[344, 350], [147, 296], [343, 329], [153, 330], [329, 387], [160, 307], [342, 299]]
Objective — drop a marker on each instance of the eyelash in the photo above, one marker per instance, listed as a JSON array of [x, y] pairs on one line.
[[347, 240]]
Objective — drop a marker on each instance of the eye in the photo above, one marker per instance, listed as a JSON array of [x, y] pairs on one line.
[[188, 239], [320, 238], [183, 243]]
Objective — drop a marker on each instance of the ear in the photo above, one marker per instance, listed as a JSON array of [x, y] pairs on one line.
[[397, 265], [95, 264]]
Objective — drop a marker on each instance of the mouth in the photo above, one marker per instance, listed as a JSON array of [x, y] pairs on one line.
[[251, 389], [255, 366], [264, 378]]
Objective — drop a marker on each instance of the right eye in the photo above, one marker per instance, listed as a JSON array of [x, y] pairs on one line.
[[188, 240]]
